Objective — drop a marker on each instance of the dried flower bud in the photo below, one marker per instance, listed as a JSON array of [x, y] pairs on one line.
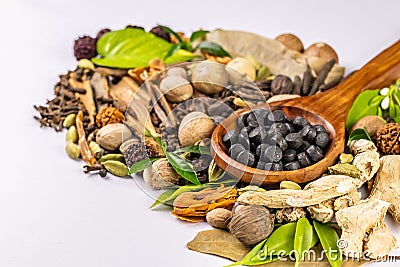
[[85, 47], [159, 32]]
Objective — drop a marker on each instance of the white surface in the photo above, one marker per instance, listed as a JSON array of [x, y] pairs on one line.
[[54, 215]]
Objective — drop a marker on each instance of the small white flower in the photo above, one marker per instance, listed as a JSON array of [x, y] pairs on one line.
[[385, 103], [384, 91]]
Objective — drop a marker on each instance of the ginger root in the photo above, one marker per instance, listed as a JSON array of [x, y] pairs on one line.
[[387, 184], [362, 219], [325, 188]]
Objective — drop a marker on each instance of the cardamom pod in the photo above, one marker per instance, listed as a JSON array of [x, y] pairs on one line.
[[117, 157], [72, 134], [289, 185], [86, 64], [69, 120], [72, 150], [345, 169], [96, 150], [116, 167]]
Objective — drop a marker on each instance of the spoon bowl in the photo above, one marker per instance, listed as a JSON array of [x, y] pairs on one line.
[[329, 108]]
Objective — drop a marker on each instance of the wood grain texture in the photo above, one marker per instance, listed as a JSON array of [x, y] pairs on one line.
[[329, 108]]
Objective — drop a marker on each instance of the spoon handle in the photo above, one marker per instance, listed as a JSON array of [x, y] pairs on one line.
[[335, 103]]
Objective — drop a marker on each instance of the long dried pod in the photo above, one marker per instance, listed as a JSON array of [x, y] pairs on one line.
[[307, 77], [86, 154], [297, 85], [321, 76]]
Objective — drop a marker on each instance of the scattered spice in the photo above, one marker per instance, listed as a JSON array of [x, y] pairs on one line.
[[85, 47]]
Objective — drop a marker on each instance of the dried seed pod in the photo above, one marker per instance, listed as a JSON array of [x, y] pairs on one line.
[[72, 150], [116, 167], [160, 175], [209, 77], [239, 66], [251, 224], [281, 85], [388, 139], [291, 41], [72, 134], [69, 120], [95, 149], [219, 218]]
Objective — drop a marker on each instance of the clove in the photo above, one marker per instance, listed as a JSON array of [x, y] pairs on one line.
[[95, 168]]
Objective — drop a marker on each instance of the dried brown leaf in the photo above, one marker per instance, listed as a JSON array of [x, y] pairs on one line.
[[218, 242]]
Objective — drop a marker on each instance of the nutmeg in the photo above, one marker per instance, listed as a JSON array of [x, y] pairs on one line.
[[210, 77], [372, 124], [194, 127], [111, 136], [239, 67], [219, 218], [251, 224], [323, 51], [176, 89], [160, 175], [291, 41]]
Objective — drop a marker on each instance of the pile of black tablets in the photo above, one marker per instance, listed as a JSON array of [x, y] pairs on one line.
[[271, 141]]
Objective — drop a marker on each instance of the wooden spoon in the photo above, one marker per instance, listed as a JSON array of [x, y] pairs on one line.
[[329, 108]]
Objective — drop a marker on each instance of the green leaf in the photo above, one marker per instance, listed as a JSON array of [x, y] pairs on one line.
[[303, 239], [171, 31], [197, 35], [182, 167], [131, 48], [328, 237], [376, 101], [161, 199], [359, 133], [212, 48], [282, 239], [194, 149], [141, 165], [175, 48], [361, 107]]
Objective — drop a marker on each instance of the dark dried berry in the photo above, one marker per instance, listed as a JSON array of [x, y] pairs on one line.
[[277, 116], [294, 140], [289, 155], [281, 128], [256, 135], [299, 122], [303, 159], [85, 47], [244, 141], [160, 32], [273, 154], [320, 128], [260, 150], [101, 33], [242, 120], [280, 141], [303, 147], [230, 137], [246, 158], [291, 166], [322, 139], [273, 166], [235, 149], [315, 153], [136, 153], [312, 133], [246, 130]]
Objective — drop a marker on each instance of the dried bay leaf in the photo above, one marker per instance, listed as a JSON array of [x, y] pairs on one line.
[[218, 242]]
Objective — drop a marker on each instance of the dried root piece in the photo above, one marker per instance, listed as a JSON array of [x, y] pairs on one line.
[[323, 211], [361, 145], [368, 163], [347, 200], [380, 242], [387, 184], [86, 98], [359, 220], [325, 188], [197, 204], [287, 215]]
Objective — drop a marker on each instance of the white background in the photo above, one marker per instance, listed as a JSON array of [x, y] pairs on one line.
[[51, 214]]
